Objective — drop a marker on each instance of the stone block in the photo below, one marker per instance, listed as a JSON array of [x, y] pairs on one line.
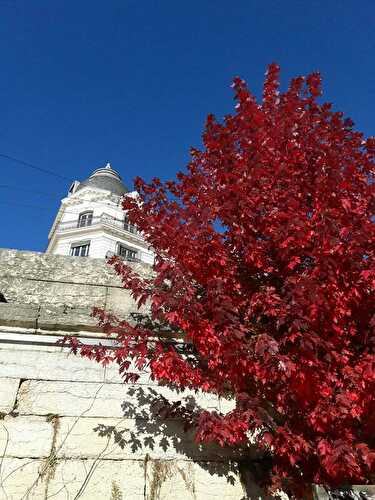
[[120, 302], [8, 393], [167, 480], [67, 318], [54, 293], [56, 280], [20, 478], [48, 267], [71, 398], [98, 480], [24, 315], [43, 340], [32, 265], [124, 439], [56, 365], [26, 436], [100, 400], [90, 479]]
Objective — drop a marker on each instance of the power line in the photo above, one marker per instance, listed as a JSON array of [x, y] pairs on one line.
[[44, 193], [18, 188], [37, 207], [24, 205], [35, 167]]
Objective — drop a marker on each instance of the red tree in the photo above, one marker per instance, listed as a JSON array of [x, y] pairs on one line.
[[265, 266]]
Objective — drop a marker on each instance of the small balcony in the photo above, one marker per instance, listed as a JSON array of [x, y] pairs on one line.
[[103, 220]]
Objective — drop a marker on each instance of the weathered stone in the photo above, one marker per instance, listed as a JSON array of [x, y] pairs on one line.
[[114, 480], [166, 480], [98, 480], [125, 439], [53, 292], [100, 400], [23, 437], [61, 480], [68, 318], [8, 393], [120, 303], [18, 315], [47, 267], [56, 281], [56, 365], [42, 340], [35, 265], [20, 479]]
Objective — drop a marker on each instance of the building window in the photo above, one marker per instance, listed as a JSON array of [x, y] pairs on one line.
[[126, 253], [85, 219], [80, 249], [129, 227]]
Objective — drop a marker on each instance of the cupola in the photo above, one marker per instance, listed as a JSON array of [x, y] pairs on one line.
[[105, 178]]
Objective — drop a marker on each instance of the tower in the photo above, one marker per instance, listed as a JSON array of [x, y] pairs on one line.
[[92, 223]]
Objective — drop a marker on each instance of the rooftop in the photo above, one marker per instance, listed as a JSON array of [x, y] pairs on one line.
[[105, 178]]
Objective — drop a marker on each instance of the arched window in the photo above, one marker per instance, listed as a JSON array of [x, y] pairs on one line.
[[85, 219]]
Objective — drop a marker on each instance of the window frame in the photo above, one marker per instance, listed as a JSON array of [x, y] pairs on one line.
[[80, 245], [85, 218], [122, 246], [131, 228]]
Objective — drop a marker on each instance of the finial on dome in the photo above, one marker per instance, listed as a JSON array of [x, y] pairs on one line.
[[108, 165]]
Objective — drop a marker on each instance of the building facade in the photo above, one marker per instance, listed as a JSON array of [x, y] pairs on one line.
[[92, 223]]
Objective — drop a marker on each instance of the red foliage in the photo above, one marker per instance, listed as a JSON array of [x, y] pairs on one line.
[[265, 265]]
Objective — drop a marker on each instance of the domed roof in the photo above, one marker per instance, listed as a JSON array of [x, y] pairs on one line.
[[105, 178]]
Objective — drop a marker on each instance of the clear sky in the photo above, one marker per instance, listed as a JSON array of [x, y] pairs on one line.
[[84, 82]]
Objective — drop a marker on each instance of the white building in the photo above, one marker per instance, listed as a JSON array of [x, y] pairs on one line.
[[92, 223]]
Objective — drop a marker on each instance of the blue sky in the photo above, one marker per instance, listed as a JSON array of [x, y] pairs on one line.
[[131, 82]]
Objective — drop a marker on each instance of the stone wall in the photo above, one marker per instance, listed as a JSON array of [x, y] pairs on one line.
[[70, 428], [73, 284]]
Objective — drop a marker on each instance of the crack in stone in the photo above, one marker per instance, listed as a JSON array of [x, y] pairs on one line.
[[37, 318], [18, 395]]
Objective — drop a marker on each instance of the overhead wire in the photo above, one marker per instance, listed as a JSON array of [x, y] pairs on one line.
[[35, 167], [38, 207], [26, 205], [18, 188]]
